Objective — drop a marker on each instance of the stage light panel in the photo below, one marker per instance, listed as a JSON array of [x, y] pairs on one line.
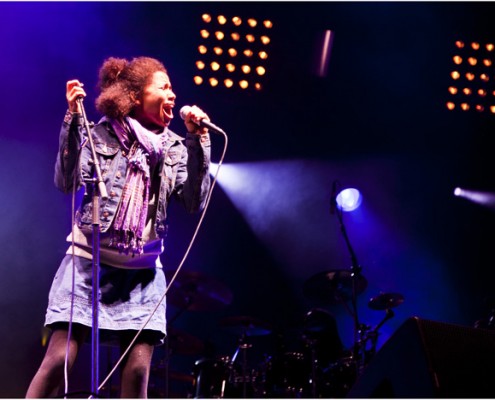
[[471, 76], [238, 45]]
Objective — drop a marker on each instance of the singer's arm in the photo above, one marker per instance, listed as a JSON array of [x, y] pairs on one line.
[[66, 165], [70, 139], [193, 179]]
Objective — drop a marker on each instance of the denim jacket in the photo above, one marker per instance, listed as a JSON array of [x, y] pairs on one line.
[[182, 171]]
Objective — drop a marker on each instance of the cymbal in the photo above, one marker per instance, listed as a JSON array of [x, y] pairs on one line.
[[245, 325], [384, 301], [195, 291], [180, 342], [334, 286]]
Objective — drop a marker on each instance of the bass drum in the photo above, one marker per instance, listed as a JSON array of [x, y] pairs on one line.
[[286, 376]]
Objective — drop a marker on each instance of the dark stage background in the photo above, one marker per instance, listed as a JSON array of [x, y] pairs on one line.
[[376, 121]]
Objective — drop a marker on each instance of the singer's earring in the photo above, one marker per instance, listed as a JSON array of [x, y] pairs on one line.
[[136, 102]]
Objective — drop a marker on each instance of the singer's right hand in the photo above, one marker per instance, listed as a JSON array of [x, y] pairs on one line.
[[74, 90]]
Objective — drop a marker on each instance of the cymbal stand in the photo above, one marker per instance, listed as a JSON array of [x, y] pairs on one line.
[[243, 347], [372, 335]]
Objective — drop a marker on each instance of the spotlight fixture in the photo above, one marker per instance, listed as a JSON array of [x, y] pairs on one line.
[[471, 87], [237, 50], [482, 198], [349, 199]]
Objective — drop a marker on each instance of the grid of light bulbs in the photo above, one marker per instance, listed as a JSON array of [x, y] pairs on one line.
[[473, 78], [233, 52]]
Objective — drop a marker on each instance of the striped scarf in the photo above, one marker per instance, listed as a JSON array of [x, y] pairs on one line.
[[144, 149]]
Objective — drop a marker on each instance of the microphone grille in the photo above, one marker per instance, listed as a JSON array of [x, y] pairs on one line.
[[184, 111]]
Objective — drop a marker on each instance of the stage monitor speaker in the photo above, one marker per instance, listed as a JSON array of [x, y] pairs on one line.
[[425, 359]]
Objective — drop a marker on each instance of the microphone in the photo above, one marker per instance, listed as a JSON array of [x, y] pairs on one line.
[[333, 198], [202, 122]]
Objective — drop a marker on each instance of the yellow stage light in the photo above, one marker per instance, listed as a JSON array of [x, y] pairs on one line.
[[252, 22], [237, 21], [453, 90]]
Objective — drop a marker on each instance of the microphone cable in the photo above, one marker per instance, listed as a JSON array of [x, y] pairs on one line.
[[186, 254]]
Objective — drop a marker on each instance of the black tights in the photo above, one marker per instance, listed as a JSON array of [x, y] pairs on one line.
[[135, 368]]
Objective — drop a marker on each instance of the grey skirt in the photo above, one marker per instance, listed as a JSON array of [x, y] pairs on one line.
[[127, 298]]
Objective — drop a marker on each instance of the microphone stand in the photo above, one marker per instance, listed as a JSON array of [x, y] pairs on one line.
[[99, 190], [355, 274]]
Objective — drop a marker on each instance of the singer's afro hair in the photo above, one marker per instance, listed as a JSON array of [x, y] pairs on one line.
[[121, 83]]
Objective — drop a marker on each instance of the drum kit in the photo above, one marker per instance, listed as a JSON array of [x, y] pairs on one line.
[[319, 368]]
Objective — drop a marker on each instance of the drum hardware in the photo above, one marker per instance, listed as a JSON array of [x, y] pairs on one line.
[[245, 377], [244, 327], [384, 301], [225, 376], [211, 376], [338, 377], [286, 375]]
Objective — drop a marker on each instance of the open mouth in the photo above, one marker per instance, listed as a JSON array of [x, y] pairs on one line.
[[168, 111]]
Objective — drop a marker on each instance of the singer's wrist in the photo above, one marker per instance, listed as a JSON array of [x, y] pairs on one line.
[[70, 115], [200, 138]]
